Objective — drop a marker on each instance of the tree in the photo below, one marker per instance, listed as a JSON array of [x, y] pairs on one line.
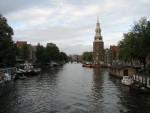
[[142, 35], [127, 48], [40, 54], [49, 53], [24, 51], [63, 56], [87, 56], [84, 55], [52, 52], [136, 43], [8, 49]]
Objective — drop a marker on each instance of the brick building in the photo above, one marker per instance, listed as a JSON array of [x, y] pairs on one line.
[[98, 46], [114, 54], [32, 50]]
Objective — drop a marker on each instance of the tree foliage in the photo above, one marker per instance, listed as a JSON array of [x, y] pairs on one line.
[[49, 53], [8, 49], [136, 43], [87, 56], [40, 54], [24, 51], [52, 51], [63, 56]]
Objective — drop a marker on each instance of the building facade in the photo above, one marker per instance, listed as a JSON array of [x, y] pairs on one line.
[[114, 54], [107, 58], [19, 44], [32, 50], [98, 46]]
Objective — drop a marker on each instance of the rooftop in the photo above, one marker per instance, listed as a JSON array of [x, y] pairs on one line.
[[20, 43]]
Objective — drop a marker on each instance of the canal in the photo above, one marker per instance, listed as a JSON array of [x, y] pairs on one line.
[[73, 89]]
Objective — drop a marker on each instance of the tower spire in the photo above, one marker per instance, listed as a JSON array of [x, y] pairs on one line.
[[98, 46], [98, 31]]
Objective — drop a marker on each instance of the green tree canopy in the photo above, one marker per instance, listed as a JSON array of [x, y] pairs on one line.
[[40, 54], [49, 53], [52, 51], [87, 56], [136, 43], [24, 51], [8, 49], [63, 56]]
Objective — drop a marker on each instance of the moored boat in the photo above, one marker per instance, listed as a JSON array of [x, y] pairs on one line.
[[87, 65], [96, 66], [33, 71], [6, 79], [127, 80], [28, 69]]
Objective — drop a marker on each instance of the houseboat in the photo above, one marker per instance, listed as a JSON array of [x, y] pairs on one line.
[[141, 83], [120, 71], [6, 79]]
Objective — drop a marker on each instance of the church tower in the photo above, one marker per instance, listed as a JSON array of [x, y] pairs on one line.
[[98, 46]]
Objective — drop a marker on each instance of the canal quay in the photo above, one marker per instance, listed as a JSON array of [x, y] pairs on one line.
[[73, 89]]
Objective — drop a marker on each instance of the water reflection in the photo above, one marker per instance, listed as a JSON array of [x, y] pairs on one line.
[[73, 89], [130, 102], [31, 94], [97, 83], [96, 96]]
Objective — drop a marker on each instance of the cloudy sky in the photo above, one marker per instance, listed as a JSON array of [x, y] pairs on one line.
[[70, 24]]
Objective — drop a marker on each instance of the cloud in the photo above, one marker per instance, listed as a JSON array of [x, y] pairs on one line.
[[76, 49], [71, 23]]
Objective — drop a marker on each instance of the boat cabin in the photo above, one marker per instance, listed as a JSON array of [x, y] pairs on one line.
[[121, 70]]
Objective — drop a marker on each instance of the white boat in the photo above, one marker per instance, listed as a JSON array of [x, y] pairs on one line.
[[6, 79], [28, 69], [127, 80]]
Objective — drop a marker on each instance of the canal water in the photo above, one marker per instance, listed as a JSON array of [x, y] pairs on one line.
[[73, 89]]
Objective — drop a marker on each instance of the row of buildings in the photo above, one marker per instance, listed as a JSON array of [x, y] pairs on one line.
[[107, 56], [32, 49], [100, 55], [133, 75], [111, 55]]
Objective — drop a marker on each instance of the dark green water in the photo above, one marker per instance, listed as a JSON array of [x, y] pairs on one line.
[[73, 89]]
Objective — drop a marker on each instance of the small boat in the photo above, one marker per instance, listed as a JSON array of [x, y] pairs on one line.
[[28, 69], [33, 71], [20, 74], [87, 64], [6, 79], [127, 80]]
